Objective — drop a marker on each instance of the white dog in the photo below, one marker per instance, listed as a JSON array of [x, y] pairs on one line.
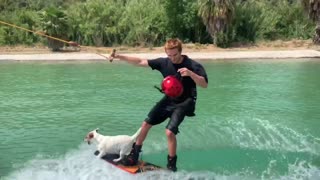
[[121, 144]]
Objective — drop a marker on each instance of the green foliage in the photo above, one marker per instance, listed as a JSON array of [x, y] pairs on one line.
[[284, 22], [14, 5], [222, 39], [54, 22], [246, 22], [24, 18], [144, 22], [183, 21], [268, 20], [296, 23], [96, 22], [29, 20], [175, 12], [2, 36], [151, 22]]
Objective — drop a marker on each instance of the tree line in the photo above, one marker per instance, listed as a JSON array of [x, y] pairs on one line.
[[150, 22]]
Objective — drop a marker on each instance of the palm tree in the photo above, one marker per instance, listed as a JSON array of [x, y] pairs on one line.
[[216, 15], [313, 9]]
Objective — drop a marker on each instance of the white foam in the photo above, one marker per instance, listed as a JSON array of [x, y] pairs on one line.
[[80, 164]]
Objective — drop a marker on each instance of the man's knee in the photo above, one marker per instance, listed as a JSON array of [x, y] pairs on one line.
[[146, 125], [174, 123], [171, 130], [169, 133]]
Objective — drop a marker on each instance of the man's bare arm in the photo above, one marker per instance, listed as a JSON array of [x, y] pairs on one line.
[[199, 80], [132, 60]]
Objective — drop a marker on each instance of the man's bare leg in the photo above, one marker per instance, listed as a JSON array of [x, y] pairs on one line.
[[172, 148], [172, 143], [145, 127]]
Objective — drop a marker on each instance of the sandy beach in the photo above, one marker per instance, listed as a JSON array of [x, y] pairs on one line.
[[273, 50], [292, 54]]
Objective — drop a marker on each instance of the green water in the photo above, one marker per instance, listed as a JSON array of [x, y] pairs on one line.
[[256, 120]]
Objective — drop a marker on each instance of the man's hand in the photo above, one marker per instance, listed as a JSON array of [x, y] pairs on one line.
[[199, 80], [133, 60], [185, 72]]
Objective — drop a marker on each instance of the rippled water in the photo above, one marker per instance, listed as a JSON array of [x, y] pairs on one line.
[[256, 120]]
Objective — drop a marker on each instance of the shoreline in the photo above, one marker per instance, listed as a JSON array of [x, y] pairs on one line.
[[218, 55], [293, 49]]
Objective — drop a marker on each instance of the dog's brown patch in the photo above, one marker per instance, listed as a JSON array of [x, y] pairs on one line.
[[90, 135]]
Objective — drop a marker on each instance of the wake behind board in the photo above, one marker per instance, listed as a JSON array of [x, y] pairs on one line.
[[142, 166]]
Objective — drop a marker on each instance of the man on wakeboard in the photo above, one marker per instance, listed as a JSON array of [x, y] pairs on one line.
[[181, 76]]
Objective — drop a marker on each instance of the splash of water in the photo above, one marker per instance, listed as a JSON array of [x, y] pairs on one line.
[[80, 164]]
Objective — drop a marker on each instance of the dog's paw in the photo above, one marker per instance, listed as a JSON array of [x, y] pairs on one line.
[[96, 152]]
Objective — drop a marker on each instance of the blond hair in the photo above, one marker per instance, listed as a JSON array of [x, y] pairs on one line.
[[174, 43]]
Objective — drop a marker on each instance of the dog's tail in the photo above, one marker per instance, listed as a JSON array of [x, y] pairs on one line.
[[136, 134]]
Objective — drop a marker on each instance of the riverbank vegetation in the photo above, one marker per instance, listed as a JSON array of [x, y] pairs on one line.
[[149, 23]]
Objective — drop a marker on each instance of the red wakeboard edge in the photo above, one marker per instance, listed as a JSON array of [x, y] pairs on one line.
[[142, 166]]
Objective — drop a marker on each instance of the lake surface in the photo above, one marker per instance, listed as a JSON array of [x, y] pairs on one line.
[[257, 119]]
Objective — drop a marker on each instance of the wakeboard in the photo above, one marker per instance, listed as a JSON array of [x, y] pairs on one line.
[[141, 167]]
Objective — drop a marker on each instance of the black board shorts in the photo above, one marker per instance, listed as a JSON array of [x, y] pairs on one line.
[[166, 108]]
